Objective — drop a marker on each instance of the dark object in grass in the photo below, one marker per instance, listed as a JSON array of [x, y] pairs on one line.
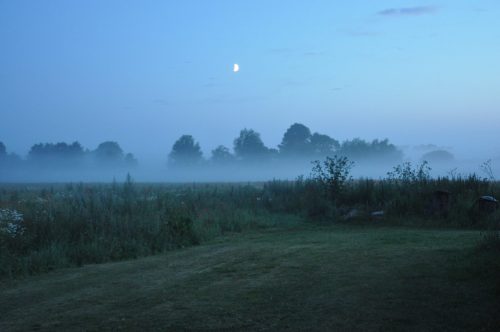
[[440, 204], [353, 214], [486, 204], [377, 214]]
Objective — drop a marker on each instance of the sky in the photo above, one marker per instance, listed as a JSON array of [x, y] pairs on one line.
[[143, 73]]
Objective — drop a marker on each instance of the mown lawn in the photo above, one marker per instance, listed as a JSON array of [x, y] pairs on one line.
[[308, 278]]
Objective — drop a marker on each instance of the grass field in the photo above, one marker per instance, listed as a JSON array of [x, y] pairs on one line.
[[299, 278]]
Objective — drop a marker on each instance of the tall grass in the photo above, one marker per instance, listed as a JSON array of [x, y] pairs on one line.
[[92, 223], [407, 194], [75, 224]]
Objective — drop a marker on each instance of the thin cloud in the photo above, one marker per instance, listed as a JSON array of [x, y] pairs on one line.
[[408, 11]]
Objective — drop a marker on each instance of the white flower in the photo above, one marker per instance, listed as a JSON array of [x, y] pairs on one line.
[[11, 222]]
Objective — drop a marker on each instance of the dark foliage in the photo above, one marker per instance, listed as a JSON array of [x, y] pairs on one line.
[[222, 155], [296, 141], [438, 156], [3, 150], [359, 150], [185, 151], [59, 154], [323, 145], [249, 146]]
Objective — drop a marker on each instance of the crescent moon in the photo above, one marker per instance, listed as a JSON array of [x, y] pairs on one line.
[[236, 68]]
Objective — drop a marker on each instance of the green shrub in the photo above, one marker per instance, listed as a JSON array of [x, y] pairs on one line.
[[332, 174]]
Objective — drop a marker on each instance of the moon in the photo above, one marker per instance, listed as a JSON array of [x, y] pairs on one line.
[[236, 68]]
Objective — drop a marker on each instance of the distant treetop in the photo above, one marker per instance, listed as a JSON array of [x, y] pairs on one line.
[[323, 145], [185, 151], [248, 145], [296, 141], [438, 156], [380, 150], [3, 150], [222, 155], [59, 150], [109, 152]]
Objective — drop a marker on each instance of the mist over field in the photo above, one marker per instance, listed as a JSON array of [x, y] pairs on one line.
[[249, 159], [143, 75], [225, 165]]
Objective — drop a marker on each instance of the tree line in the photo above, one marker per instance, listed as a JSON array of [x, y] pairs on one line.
[[64, 155], [298, 143]]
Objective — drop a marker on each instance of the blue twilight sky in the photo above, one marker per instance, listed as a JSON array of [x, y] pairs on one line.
[[145, 72]]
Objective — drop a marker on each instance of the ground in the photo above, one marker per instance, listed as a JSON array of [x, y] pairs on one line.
[[320, 278]]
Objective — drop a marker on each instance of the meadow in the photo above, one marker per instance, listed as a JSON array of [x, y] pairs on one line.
[[324, 252], [303, 277], [48, 226]]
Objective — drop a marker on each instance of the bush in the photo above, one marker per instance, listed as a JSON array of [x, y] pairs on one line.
[[332, 174], [405, 173]]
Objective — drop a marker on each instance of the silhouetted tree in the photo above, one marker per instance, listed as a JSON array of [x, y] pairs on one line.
[[130, 160], [438, 156], [358, 149], [296, 141], [39, 151], [386, 151], [8, 162], [249, 146], [333, 174], [3, 150], [109, 153], [3, 156], [185, 151], [75, 150], [273, 153], [222, 155], [323, 145], [57, 155], [59, 150]]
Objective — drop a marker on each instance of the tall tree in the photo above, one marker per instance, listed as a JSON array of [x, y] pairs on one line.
[[58, 154], [109, 153], [358, 149], [131, 160], [386, 151], [438, 156], [185, 151], [323, 145], [3, 150], [296, 141], [222, 155], [249, 145]]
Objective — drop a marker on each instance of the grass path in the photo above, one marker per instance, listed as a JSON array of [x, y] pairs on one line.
[[315, 278]]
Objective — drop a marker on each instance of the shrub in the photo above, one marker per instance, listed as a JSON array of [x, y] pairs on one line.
[[332, 174], [405, 173]]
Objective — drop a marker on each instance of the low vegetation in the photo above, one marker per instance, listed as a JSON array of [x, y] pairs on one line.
[[323, 252], [309, 277], [43, 227]]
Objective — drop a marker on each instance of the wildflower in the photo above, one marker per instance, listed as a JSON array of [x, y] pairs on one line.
[[11, 223]]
